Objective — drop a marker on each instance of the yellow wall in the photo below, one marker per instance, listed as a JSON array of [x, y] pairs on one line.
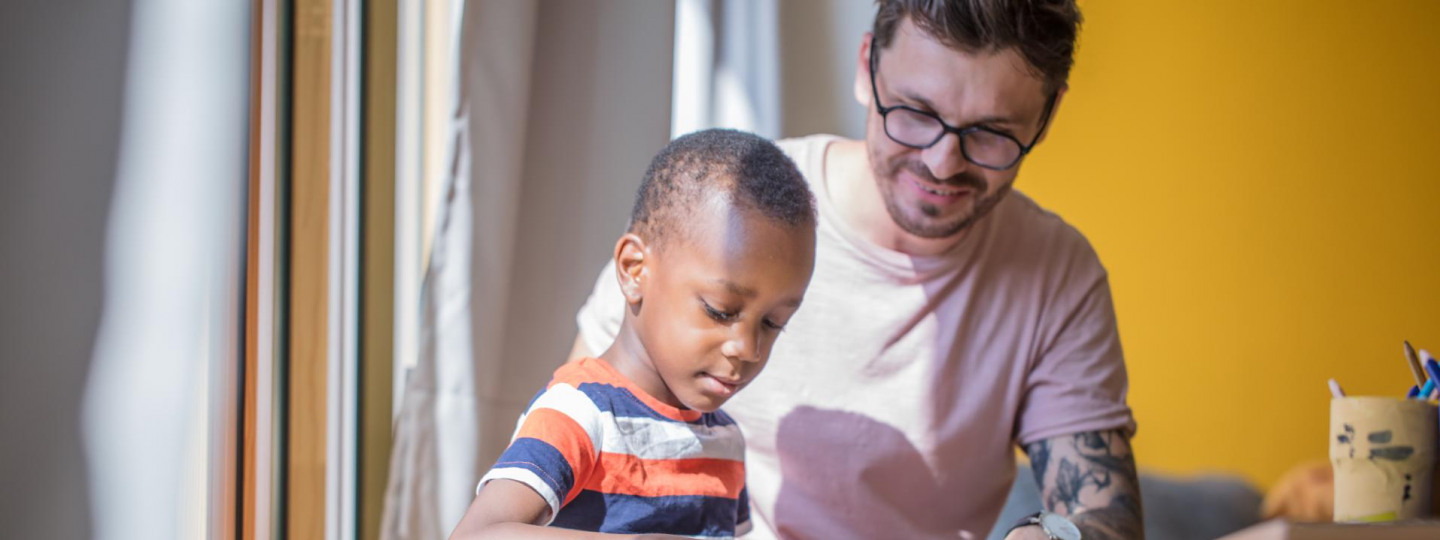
[[1262, 180]]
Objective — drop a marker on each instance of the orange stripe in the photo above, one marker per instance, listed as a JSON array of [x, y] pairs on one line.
[[562, 432], [585, 370], [572, 374], [625, 474]]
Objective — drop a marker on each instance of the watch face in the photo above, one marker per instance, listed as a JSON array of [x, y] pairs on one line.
[[1059, 527]]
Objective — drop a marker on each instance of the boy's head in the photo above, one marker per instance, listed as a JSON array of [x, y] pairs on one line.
[[719, 253]]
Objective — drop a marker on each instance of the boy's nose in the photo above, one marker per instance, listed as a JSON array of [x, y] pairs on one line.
[[744, 345]]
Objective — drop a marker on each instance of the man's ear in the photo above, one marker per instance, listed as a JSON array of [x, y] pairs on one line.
[[632, 261], [862, 71]]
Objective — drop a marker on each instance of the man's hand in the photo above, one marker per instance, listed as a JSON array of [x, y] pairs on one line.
[[1089, 478], [1029, 532]]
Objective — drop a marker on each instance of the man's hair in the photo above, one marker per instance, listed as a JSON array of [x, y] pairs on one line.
[[1043, 31], [750, 171]]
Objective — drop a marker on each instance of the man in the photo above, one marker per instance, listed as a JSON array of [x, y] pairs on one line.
[[948, 319]]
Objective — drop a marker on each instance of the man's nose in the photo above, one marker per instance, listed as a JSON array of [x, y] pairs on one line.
[[944, 158]]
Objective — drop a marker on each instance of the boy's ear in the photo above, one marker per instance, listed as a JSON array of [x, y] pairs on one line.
[[632, 266]]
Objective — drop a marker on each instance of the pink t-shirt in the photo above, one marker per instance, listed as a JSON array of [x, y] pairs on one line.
[[893, 400]]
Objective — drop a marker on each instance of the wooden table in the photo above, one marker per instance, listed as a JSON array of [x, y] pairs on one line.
[[1397, 530]]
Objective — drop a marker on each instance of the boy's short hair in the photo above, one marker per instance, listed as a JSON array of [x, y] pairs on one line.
[[750, 171]]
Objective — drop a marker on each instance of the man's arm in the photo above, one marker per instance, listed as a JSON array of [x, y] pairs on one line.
[[1090, 478], [579, 349]]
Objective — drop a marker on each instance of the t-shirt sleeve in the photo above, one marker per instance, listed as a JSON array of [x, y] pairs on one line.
[[1078, 382], [599, 319], [554, 450]]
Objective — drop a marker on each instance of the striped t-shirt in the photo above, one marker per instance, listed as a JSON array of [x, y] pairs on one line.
[[608, 457]]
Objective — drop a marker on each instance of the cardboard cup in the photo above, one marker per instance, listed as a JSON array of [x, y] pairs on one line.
[[1383, 453]]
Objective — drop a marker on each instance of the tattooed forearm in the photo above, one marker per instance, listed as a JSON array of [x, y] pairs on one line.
[[1090, 478]]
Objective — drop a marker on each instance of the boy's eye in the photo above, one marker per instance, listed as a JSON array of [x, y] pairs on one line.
[[719, 316], [773, 325]]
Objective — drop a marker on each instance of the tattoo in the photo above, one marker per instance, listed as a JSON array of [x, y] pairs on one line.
[[1039, 458], [1090, 478]]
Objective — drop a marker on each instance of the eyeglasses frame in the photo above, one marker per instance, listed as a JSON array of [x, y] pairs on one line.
[[946, 128]]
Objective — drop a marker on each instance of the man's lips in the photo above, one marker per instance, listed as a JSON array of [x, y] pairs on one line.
[[928, 185], [937, 190], [935, 193]]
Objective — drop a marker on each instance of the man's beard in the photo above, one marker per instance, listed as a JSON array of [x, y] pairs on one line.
[[924, 221]]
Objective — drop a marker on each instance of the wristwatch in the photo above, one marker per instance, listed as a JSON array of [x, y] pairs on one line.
[[1055, 525]]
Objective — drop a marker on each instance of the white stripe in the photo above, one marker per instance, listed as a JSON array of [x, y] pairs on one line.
[[527, 477], [518, 423], [648, 438], [645, 438], [573, 403]]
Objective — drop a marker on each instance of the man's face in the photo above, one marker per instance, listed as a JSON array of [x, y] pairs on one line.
[[718, 296], [935, 192]]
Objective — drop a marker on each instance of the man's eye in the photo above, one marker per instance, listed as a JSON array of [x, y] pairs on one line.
[[716, 314]]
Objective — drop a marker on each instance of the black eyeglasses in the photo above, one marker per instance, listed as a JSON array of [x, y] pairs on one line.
[[980, 145]]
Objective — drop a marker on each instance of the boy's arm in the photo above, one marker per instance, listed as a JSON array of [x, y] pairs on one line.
[[509, 509], [553, 450], [503, 508]]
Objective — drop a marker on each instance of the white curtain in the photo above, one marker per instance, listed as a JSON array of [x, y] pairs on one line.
[[172, 261], [727, 66], [433, 467]]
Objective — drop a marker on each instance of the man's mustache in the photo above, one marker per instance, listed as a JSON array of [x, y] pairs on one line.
[[964, 179]]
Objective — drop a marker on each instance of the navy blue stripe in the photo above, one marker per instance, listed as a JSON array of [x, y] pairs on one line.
[[742, 506], [620, 402], [544, 460], [717, 418], [687, 515]]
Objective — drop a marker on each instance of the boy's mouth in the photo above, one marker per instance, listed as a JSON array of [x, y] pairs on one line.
[[723, 386]]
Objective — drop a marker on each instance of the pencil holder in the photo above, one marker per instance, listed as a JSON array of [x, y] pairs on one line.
[[1383, 453]]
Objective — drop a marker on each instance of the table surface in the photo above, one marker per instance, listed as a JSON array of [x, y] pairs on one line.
[[1427, 529]]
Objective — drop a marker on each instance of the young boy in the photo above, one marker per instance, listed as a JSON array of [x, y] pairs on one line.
[[719, 252]]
